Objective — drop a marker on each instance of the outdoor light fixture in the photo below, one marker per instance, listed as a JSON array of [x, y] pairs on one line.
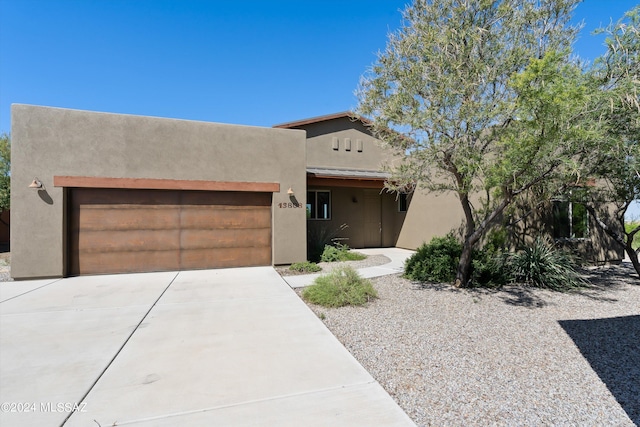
[[36, 183], [290, 192]]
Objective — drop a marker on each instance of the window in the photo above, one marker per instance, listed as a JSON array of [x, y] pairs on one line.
[[570, 220], [318, 204], [403, 202]]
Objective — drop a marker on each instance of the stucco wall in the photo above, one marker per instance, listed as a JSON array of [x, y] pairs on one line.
[[320, 152], [348, 207], [48, 142], [429, 215], [435, 214], [596, 248]]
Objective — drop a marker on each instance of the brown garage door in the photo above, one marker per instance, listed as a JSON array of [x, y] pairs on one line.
[[123, 231]]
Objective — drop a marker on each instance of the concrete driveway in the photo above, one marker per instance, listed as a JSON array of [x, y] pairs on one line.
[[198, 348]]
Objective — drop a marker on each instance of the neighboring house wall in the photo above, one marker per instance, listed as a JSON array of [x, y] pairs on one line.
[[48, 142]]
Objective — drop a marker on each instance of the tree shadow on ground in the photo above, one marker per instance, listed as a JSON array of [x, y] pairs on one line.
[[601, 281], [612, 275], [612, 347], [522, 297]]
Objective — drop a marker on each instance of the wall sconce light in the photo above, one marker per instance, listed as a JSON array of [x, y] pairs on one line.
[[290, 192], [36, 184]]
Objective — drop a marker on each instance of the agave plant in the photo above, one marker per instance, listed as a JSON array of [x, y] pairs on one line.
[[544, 266]]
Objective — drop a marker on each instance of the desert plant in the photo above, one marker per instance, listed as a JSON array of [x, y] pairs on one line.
[[330, 254], [489, 265], [340, 252], [436, 261], [545, 266], [305, 267], [490, 268], [319, 235], [343, 286]]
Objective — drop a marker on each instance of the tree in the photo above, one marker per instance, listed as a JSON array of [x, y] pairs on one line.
[[5, 173], [479, 98], [617, 74]]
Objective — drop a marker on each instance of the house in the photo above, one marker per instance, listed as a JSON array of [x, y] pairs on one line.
[[120, 193], [96, 193]]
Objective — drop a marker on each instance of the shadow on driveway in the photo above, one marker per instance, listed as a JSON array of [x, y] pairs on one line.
[[612, 347]]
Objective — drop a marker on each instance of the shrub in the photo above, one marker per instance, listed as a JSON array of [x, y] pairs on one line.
[[490, 265], [305, 267], [490, 268], [340, 252], [319, 235], [436, 261], [330, 254], [544, 266], [343, 286]]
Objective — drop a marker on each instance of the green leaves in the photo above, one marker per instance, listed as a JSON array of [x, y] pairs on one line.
[[491, 105], [342, 286]]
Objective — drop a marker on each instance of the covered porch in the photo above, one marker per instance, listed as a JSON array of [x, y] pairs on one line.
[[357, 198]]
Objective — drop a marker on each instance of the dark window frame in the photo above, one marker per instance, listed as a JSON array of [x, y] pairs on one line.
[[314, 208], [570, 220], [403, 202]]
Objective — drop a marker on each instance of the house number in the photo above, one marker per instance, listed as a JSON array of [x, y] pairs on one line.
[[289, 205]]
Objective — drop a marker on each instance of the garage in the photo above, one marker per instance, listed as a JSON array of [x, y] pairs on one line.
[[140, 230]]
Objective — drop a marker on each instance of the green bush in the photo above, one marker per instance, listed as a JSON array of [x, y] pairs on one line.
[[343, 286], [436, 261], [540, 264], [305, 267], [490, 268], [629, 226], [544, 266], [340, 252], [490, 264]]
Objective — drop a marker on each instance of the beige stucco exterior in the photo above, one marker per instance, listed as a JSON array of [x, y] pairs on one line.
[[53, 142], [321, 137], [596, 248], [345, 145], [429, 214], [48, 142]]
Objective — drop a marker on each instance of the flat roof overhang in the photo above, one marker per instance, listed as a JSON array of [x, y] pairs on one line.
[[325, 177]]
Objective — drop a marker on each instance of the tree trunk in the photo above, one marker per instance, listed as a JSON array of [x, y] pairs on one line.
[[472, 236], [633, 256], [464, 266]]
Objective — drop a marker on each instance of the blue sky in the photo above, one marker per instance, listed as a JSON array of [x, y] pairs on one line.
[[243, 62]]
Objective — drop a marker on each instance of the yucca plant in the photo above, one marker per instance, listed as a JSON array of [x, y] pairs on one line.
[[544, 266]]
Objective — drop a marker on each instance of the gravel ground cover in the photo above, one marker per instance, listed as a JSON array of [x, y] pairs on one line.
[[5, 267], [516, 356], [369, 261]]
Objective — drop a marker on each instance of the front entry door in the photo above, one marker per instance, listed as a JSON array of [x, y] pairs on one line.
[[372, 219]]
